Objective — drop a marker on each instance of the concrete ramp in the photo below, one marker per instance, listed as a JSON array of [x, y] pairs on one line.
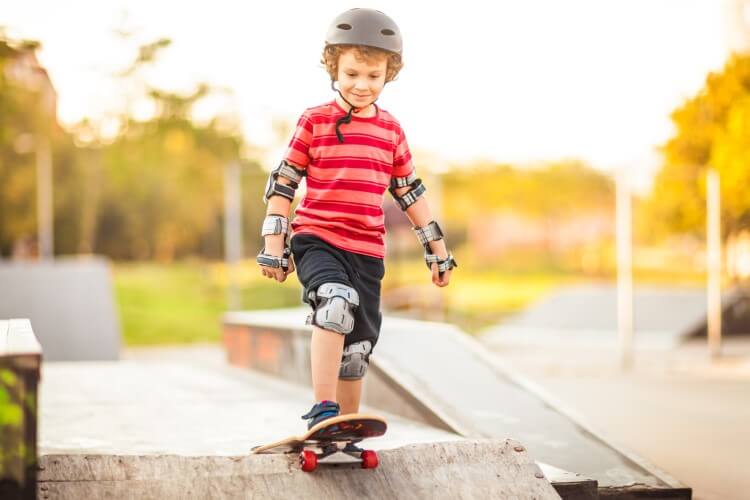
[[449, 380], [586, 316], [463, 470]]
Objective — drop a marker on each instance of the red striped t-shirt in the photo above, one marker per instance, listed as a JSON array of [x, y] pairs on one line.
[[346, 182]]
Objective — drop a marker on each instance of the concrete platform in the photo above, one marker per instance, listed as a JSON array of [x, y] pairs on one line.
[[194, 407], [159, 426]]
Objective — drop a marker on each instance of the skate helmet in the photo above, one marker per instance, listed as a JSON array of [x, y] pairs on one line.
[[368, 27]]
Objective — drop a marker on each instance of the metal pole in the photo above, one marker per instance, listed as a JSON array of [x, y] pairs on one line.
[[45, 229], [713, 261], [232, 231], [623, 215]]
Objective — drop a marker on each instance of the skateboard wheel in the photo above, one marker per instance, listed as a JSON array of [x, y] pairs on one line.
[[369, 459], [308, 460]]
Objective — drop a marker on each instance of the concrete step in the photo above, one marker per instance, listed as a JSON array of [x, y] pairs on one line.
[[462, 469]]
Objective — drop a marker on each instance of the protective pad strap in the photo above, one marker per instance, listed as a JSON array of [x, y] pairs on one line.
[[443, 265], [274, 188], [273, 261], [428, 233], [410, 197], [275, 224], [331, 290], [289, 172], [401, 182]]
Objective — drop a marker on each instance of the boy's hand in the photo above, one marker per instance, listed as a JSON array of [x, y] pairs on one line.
[[438, 279], [275, 247], [278, 273]]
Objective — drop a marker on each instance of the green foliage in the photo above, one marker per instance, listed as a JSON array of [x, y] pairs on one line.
[[712, 130], [12, 448], [22, 120], [556, 189], [154, 191], [183, 303]]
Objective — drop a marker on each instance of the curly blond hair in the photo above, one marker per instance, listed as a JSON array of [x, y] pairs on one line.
[[331, 53]]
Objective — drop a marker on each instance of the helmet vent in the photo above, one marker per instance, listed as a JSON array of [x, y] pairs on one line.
[[388, 32], [344, 26]]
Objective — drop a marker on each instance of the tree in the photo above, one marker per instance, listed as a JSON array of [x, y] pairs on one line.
[[712, 131], [22, 121]]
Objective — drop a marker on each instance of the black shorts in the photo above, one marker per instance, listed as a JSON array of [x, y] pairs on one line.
[[319, 262]]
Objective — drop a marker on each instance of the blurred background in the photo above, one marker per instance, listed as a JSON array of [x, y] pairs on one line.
[[587, 159], [122, 124]]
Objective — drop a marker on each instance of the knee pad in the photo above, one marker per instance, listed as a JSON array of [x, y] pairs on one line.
[[355, 360], [334, 305]]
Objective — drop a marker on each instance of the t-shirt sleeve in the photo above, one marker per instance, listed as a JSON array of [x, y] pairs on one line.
[[402, 163], [298, 151]]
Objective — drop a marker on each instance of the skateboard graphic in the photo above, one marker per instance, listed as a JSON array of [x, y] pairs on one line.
[[331, 436]]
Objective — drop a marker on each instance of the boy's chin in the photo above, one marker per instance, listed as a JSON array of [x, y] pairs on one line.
[[360, 102]]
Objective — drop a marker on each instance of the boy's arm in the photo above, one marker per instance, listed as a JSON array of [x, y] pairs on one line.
[[275, 244], [277, 205], [420, 216]]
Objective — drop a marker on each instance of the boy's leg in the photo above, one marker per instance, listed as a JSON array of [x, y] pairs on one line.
[[326, 348], [349, 392]]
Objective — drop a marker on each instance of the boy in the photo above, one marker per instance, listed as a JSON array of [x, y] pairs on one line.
[[350, 150]]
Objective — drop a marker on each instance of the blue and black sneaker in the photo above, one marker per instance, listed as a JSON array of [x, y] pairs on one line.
[[321, 411]]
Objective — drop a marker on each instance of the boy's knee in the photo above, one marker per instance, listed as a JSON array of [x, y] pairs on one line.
[[334, 305]]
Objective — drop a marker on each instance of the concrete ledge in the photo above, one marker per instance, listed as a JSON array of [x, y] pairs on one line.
[[466, 469], [70, 303]]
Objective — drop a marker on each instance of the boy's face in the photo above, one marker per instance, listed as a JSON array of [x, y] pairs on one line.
[[361, 80]]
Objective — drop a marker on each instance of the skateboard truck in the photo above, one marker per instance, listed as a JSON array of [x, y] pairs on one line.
[[308, 458]]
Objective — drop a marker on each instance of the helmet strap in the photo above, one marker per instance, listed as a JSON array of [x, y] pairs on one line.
[[348, 117]]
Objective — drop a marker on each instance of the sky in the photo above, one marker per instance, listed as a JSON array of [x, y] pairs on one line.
[[523, 81]]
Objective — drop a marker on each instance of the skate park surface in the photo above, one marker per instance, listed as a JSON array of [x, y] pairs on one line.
[[677, 409], [179, 423], [175, 402], [458, 385]]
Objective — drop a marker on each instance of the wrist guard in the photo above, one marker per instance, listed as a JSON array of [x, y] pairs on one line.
[[267, 260], [428, 233], [443, 265]]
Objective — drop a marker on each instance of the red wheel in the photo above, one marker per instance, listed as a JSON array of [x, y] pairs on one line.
[[369, 459], [308, 460]]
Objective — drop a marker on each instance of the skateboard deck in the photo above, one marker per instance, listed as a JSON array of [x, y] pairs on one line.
[[331, 436]]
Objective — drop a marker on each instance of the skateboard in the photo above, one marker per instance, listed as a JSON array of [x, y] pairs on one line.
[[331, 436]]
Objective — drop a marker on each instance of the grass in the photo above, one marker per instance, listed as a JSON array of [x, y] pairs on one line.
[[183, 302]]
